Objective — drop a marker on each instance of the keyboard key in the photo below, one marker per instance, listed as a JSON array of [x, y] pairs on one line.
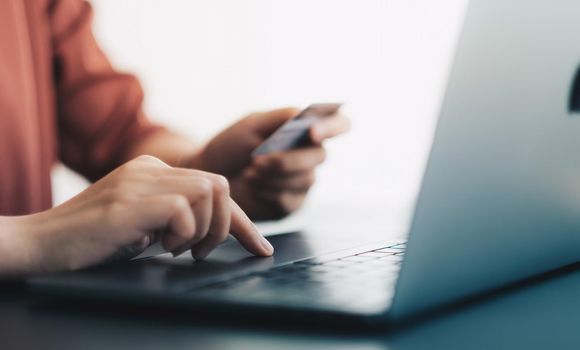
[[358, 258], [388, 250], [371, 254], [333, 280]]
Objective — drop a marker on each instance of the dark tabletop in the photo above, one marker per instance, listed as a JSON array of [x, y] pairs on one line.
[[540, 314]]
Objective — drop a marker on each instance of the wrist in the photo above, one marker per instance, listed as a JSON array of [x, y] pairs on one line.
[[18, 255]]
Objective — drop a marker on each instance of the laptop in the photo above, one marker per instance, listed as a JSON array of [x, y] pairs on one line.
[[499, 201]]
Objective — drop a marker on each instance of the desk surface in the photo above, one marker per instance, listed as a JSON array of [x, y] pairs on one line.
[[543, 314]]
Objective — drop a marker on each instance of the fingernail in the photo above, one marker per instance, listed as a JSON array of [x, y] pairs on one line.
[[267, 246]]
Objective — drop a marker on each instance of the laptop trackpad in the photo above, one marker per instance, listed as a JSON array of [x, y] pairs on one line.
[[231, 259], [163, 273], [288, 247]]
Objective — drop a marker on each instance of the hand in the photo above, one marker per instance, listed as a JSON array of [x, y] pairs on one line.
[[272, 185], [186, 208]]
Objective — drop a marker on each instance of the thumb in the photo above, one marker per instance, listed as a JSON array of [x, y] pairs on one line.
[[265, 123]]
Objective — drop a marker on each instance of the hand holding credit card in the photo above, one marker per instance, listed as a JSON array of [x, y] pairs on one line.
[[295, 132]]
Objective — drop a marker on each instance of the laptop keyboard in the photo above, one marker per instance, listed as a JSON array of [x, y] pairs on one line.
[[354, 281]]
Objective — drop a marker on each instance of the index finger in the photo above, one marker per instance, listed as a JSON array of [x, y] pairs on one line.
[[329, 127], [247, 234]]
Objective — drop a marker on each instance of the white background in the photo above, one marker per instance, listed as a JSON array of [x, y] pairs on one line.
[[205, 63]]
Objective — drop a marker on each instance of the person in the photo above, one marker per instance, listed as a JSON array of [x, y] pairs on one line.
[[61, 100]]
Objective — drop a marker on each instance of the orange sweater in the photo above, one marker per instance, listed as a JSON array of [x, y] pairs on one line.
[[60, 99]]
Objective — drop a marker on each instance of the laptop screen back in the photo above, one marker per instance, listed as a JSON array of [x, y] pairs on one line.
[[500, 199]]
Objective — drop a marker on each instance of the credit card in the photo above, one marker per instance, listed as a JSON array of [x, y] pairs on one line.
[[295, 132]]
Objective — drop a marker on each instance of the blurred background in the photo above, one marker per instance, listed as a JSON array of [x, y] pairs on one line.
[[205, 63]]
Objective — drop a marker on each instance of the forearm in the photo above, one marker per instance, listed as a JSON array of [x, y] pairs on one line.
[[172, 148]]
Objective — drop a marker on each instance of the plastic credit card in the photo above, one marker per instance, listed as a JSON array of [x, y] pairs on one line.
[[295, 132]]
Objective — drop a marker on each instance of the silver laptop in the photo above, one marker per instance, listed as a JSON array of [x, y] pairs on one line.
[[499, 201]]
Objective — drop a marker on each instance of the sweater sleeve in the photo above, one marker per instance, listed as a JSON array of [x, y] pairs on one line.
[[100, 115]]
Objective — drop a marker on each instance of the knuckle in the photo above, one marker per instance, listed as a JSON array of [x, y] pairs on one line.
[[148, 159], [180, 203], [139, 165], [129, 167], [205, 186], [221, 184]]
